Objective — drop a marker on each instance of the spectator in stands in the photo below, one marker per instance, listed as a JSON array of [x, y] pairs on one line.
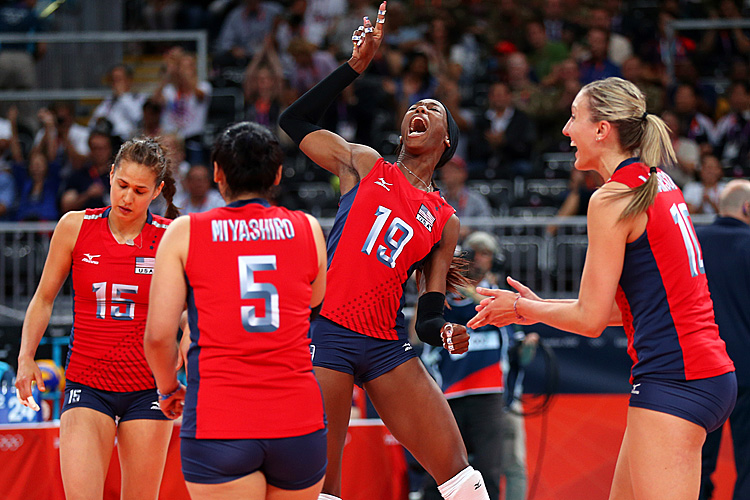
[[310, 65], [633, 70], [542, 53], [693, 124], [7, 192], [657, 51], [703, 197], [151, 122], [522, 87], [718, 47], [687, 151], [123, 109], [185, 102], [320, 18], [619, 48], [726, 257], [416, 83], [554, 20], [505, 136], [244, 30], [18, 60], [199, 195], [598, 66], [449, 93], [467, 203], [161, 15], [506, 23], [581, 187], [550, 106], [88, 187], [733, 131], [263, 86], [61, 139], [37, 181]]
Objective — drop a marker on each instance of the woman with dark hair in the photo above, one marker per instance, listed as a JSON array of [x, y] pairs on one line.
[[253, 276], [390, 222], [109, 391], [644, 271]]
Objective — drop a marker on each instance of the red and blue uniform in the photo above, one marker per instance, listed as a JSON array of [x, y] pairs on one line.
[[663, 294], [383, 230], [249, 271], [111, 284]]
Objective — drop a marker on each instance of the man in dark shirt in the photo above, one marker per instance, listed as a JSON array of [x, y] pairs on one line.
[[726, 257]]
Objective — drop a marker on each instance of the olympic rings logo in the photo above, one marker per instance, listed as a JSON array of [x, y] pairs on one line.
[[10, 442]]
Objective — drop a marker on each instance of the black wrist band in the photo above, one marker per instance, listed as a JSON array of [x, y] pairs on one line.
[[430, 318]]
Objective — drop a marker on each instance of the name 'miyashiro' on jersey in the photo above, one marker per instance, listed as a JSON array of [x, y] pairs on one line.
[[273, 228], [250, 271]]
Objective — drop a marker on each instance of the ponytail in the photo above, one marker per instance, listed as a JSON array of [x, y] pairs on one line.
[[642, 134], [168, 191]]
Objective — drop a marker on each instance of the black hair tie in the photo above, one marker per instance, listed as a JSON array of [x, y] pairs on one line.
[[652, 170], [644, 115]]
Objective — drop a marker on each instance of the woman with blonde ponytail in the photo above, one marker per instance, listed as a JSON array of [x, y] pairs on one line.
[[644, 271]]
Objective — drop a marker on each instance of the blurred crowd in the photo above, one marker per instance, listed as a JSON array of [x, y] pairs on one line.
[[508, 70]]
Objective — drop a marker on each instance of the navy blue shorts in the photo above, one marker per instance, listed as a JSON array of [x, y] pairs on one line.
[[706, 402], [337, 348], [293, 463], [121, 406]]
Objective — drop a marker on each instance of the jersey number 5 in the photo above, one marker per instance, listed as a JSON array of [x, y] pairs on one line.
[[681, 217], [250, 289], [392, 244]]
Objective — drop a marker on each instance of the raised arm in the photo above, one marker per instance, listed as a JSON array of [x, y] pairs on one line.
[[350, 162]]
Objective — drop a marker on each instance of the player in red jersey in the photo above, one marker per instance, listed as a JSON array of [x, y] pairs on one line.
[[252, 275], [110, 391], [390, 222], [643, 271]]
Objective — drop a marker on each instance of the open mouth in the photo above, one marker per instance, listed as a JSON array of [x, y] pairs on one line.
[[418, 126]]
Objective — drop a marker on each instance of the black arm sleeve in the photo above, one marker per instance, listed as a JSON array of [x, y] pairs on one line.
[[430, 318], [302, 116]]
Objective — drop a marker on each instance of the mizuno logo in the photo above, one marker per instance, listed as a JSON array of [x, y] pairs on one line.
[[477, 485], [407, 347], [90, 258], [155, 406], [633, 390], [381, 182]]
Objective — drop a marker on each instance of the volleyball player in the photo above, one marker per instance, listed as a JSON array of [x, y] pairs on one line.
[[643, 270], [253, 275], [109, 391], [390, 222]]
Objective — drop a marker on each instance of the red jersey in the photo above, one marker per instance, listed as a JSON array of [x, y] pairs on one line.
[[111, 285], [249, 271], [663, 295], [383, 230]]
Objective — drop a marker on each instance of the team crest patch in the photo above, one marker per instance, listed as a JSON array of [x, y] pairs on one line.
[[144, 265], [425, 217]]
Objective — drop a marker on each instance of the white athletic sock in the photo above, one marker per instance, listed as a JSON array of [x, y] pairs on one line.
[[326, 496], [466, 485]]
